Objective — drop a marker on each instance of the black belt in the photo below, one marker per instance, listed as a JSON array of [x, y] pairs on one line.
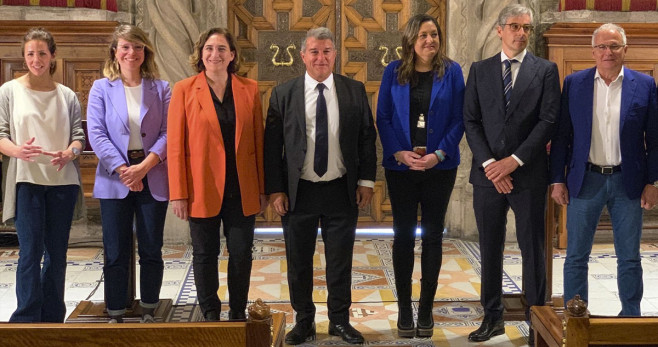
[[603, 170], [325, 183], [136, 154]]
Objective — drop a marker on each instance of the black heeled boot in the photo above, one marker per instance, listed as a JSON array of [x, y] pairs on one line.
[[425, 324], [405, 320]]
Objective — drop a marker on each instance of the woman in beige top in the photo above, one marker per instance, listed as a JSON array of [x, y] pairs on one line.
[[41, 134]]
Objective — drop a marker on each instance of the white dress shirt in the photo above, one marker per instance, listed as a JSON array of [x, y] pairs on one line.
[[605, 148], [336, 165], [515, 72]]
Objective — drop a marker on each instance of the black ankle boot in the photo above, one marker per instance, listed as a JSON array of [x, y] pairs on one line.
[[425, 324], [405, 321]]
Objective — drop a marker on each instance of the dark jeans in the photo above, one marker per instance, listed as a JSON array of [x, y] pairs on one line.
[[43, 225], [117, 217], [327, 204], [239, 233], [407, 189]]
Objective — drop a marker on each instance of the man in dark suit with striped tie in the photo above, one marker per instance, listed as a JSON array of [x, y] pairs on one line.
[[511, 103]]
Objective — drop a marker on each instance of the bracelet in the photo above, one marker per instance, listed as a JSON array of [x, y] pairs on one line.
[[440, 155]]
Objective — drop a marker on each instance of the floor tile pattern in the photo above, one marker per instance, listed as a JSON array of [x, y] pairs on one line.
[[374, 311]]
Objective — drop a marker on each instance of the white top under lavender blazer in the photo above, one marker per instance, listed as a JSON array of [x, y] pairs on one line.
[[109, 134]]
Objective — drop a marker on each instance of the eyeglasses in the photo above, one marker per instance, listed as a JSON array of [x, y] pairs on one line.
[[613, 47], [135, 47], [516, 27]]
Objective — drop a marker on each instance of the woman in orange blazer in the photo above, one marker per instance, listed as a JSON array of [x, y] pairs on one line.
[[215, 154]]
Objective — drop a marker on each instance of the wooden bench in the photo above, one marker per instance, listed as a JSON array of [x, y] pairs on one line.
[[554, 330], [217, 334]]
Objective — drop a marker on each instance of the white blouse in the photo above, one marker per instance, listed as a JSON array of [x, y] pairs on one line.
[[43, 116]]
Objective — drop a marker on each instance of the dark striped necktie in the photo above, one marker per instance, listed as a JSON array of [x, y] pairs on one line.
[[507, 80]]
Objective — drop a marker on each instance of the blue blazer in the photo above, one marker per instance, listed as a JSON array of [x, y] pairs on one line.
[[445, 125], [109, 134], [638, 131]]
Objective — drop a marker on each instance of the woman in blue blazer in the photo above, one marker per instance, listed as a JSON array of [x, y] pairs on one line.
[[127, 121], [419, 118]]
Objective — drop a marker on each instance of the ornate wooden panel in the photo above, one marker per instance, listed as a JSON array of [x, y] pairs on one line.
[[269, 34], [80, 76]]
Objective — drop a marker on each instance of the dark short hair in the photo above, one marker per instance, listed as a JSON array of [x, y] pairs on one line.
[[196, 59]]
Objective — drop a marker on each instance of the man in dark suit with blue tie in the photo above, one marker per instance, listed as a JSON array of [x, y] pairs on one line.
[[605, 153], [320, 165], [511, 103]]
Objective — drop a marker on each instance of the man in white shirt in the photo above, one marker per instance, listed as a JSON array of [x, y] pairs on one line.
[[605, 153], [320, 166]]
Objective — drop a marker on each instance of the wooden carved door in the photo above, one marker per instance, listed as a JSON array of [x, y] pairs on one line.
[[368, 35]]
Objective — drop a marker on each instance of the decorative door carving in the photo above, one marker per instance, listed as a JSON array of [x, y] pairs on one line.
[[368, 33]]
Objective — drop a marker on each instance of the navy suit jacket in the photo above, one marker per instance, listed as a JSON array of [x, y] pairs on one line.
[[638, 131], [445, 125], [523, 130]]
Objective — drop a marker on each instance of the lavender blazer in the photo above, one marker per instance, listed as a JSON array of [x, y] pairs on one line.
[[109, 134]]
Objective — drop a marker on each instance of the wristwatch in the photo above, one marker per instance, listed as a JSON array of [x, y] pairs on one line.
[[655, 184], [76, 152]]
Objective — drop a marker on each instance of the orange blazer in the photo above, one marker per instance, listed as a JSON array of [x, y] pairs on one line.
[[195, 148]]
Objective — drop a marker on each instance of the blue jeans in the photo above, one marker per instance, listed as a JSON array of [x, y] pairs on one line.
[[583, 215], [43, 224], [117, 218]]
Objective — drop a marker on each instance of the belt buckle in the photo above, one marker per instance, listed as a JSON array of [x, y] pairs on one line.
[[607, 170]]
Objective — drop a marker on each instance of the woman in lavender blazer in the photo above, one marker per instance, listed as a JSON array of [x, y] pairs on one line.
[[127, 121]]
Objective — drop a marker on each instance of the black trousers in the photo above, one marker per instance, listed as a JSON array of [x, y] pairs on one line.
[[239, 233], [327, 204], [491, 210], [407, 189]]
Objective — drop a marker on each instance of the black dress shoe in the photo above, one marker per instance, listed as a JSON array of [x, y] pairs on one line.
[[237, 315], [487, 330], [211, 316], [346, 332], [301, 333]]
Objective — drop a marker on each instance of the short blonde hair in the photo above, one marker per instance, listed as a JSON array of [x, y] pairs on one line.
[[196, 59], [131, 33]]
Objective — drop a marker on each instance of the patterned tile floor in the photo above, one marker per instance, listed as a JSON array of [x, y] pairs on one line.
[[374, 311]]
